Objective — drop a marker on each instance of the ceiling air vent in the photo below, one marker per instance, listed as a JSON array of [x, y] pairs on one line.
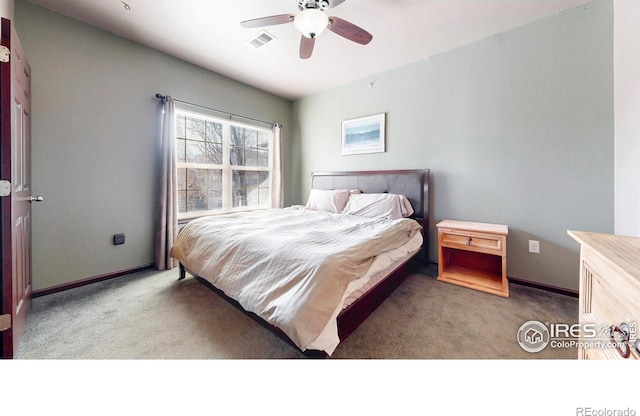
[[261, 39]]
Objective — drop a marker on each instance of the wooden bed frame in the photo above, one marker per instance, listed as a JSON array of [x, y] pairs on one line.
[[414, 184]]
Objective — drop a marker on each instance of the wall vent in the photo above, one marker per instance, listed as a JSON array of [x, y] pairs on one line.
[[261, 39]]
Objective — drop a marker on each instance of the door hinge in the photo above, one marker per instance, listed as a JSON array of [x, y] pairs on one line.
[[4, 53], [5, 188], [5, 322]]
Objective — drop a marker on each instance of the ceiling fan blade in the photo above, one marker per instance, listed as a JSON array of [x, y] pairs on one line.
[[349, 31], [268, 20], [306, 47], [336, 3]]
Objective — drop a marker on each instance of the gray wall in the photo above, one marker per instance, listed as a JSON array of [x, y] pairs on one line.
[[95, 137], [517, 129]]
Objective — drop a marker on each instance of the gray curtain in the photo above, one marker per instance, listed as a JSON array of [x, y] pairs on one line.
[[167, 208], [277, 199]]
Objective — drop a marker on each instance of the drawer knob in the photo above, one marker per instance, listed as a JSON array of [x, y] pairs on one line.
[[468, 241], [621, 342]]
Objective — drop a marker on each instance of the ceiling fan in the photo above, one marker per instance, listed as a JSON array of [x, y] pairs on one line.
[[311, 21]]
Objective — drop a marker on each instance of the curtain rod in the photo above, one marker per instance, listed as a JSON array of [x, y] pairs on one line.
[[162, 97]]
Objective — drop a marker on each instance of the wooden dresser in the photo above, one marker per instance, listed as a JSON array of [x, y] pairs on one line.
[[609, 294]]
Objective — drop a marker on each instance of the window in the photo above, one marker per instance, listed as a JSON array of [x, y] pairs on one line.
[[223, 165]]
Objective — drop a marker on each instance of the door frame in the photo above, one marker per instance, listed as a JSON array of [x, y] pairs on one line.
[[6, 289], [15, 160]]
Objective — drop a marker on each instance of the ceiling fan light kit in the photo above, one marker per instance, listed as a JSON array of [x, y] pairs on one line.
[[311, 21]]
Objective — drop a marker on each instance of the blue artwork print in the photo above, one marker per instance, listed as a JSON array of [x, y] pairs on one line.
[[364, 135]]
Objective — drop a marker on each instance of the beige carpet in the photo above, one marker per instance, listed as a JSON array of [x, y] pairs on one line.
[[152, 315]]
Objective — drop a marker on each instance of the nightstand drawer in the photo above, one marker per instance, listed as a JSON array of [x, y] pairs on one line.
[[473, 242]]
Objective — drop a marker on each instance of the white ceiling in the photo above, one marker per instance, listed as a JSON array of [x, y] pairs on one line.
[[208, 33]]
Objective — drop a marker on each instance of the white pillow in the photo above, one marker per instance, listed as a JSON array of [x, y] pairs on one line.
[[390, 206], [328, 200]]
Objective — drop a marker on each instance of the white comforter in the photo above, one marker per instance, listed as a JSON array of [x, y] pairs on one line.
[[290, 266]]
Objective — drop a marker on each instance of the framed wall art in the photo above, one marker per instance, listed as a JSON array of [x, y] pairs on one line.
[[363, 135]]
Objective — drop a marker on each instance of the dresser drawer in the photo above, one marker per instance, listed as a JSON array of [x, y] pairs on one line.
[[472, 242], [601, 346]]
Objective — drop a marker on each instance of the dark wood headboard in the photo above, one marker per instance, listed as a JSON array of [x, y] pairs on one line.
[[414, 184]]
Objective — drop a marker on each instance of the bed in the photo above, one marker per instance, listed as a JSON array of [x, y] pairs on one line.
[[309, 273]]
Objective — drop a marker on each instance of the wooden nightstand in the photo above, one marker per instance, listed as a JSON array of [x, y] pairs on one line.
[[473, 255]]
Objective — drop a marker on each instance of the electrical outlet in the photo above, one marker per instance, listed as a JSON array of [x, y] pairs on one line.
[[118, 239], [534, 246]]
